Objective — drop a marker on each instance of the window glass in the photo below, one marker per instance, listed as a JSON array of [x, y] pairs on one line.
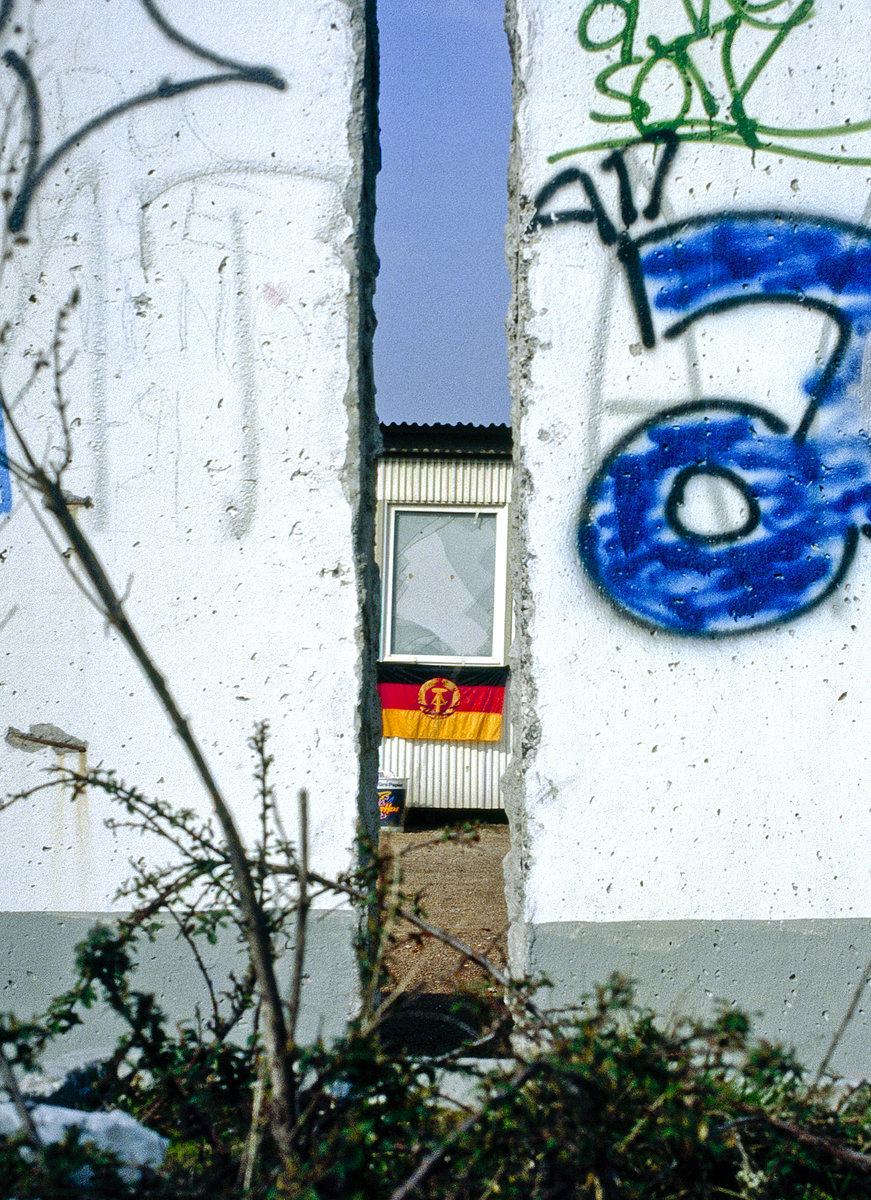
[[444, 568]]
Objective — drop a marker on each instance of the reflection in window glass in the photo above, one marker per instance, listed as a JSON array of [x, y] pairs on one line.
[[444, 568]]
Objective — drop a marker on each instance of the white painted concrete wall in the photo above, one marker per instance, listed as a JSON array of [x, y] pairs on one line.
[[668, 777], [219, 406]]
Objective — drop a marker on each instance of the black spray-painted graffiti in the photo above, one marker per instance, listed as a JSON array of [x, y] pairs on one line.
[[39, 163], [663, 85], [805, 492]]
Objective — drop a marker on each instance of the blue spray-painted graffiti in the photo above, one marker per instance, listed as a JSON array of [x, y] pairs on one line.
[[5, 483], [38, 163], [806, 492]]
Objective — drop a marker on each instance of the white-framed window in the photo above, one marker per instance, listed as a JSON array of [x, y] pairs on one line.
[[444, 584]]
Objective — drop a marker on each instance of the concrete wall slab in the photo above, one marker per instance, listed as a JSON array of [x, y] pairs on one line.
[[221, 405], [690, 391]]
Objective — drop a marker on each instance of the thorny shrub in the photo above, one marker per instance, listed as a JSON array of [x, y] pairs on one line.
[[603, 1102]]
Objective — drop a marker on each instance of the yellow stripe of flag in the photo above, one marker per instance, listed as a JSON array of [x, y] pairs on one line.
[[459, 726]]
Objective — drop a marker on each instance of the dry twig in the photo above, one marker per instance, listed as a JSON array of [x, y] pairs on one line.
[[302, 907], [30, 1131], [435, 1156]]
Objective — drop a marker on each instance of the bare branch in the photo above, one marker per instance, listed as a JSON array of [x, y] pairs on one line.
[[30, 1131], [59, 370], [61, 554], [435, 1156], [342, 887], [302, 908], [853, 1158], [842, 1028], [255, 1133], [201, 966]]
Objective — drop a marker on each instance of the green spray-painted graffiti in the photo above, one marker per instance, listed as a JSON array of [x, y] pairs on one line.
[[641, 86]]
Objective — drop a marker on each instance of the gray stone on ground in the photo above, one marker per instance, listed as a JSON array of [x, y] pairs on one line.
[[134, 1145]]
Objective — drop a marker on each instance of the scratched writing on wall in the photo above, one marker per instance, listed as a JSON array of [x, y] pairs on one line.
[[805, 492], [39, 162], [668, 83]]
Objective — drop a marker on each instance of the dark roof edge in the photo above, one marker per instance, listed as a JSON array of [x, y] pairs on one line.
[[446, 441]]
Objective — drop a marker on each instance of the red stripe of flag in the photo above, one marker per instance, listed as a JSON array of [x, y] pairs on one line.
[[472, 699]]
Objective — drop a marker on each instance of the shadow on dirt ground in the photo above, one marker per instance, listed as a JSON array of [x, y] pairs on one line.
[[455, 872]]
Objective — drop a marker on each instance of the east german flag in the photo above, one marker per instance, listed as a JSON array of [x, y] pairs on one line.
[[444, 703]]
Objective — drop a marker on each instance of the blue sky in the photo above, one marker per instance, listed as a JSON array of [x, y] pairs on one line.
[[443, 289]]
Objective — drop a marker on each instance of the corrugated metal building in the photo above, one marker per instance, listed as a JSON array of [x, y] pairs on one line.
[[442, 545]]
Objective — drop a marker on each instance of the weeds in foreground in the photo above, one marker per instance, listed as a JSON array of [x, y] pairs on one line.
[[601, 1103]]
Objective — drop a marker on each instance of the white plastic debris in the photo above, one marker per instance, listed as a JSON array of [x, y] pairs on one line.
[[134, 1145]]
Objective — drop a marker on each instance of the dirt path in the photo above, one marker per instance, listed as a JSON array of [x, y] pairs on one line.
[[461, 889]]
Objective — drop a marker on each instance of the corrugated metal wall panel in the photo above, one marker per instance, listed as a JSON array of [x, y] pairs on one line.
[[450, 774], [444, 481]]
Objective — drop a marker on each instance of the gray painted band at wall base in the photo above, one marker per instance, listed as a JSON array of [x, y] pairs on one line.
[[37, 959], [795, 979]]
